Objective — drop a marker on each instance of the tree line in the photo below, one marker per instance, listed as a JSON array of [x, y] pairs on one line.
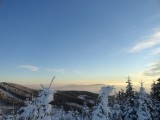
[[126, 105]]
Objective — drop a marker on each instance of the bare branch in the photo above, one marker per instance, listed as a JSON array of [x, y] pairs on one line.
[[52, 81]]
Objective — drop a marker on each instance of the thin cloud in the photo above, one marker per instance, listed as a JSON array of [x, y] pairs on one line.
[[78, 72], [152, 40], [29, 67], [57, 70], [153, 70], [156, 51]]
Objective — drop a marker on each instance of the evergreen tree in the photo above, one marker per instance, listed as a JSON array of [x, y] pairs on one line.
[[72, 115], [130, 104], [9, 117], [143, 112], [86, 112], [153, 89], [39, 108], [59, 114], [155, 97], [77, 116], [116, 110], [102, 110], [121, 97], [129, 89], [156, 90]]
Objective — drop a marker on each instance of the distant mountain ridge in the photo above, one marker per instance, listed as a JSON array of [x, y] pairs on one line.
[[73, 87], [91, 88], [95, 88]]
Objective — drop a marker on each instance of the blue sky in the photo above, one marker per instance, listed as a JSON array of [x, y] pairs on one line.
[[80, 42]]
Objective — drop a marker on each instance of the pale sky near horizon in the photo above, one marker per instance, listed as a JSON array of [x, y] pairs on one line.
[[79, 42]]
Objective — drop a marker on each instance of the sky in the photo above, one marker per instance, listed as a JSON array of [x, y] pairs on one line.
[[79, 42]]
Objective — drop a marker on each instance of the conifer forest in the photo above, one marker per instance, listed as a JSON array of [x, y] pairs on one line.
[[125, 105]]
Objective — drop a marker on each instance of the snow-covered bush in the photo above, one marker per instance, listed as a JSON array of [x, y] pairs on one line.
[[39, 108]]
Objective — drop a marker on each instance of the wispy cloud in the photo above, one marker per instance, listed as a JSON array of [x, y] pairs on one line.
[[78, 72], [156, 51], [153, 69], [151, 41], [29, 67], [57, 70]]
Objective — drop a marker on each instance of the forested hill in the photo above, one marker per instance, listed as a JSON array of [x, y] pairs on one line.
[[11, 93], [14, 94]]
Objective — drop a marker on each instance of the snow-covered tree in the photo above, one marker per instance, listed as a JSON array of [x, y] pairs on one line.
[[116, 110], [39, 108], [143, 111], [9, 117], [155, 99], [86, 112], [102, 110], [142, 92], [130, 104], [72, 115], [129, 89], [153, 89], [154, 103], [77, 115], [121, 97], [157, 89]]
